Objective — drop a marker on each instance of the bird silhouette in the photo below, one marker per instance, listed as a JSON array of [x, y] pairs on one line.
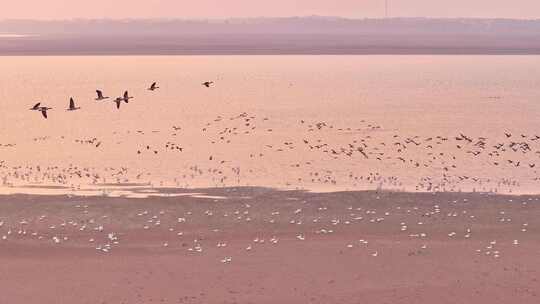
[[118, 101], [100, 95], [36, 106], [126, 97], [43, 110], [72, 106], [207, 83], [153, 87]]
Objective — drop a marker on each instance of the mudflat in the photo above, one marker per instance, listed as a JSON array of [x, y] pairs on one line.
[[259, 245]]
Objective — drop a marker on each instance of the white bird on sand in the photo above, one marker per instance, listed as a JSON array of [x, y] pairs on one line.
[[226, 260]]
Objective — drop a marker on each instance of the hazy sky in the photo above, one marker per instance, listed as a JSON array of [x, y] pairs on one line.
[[68, 9]]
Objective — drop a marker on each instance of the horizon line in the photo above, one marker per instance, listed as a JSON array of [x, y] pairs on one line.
[[270, 18]]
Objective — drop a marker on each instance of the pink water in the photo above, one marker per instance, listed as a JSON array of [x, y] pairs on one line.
[[247, 129]]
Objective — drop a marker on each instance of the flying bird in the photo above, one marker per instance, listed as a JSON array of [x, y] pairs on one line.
[[44, 111], [100, 95], [153, 87], [72, 106], [207, 83], [38, 107], [118, 101], [126, 97]]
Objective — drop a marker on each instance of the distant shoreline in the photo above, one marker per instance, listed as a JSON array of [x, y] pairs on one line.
[[147, 191], [278, 44], [272, 36], [242, 53], [66, 49]]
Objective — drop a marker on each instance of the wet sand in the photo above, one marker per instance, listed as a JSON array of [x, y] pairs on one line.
[[258, 245]]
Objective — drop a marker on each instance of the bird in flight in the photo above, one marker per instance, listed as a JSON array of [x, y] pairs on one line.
[[36, 106], [100, 95], [118, 101], [43, 110], [72, 106], [126, 97], [153, 87], [207, 83]]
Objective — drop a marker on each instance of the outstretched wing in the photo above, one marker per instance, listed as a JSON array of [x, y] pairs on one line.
[[36, 106], [71, 103], [118, 104], [153, 86], [44, 112], [126, 95], [99, 94]]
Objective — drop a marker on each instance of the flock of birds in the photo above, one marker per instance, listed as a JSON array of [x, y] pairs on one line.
[[442, 163], [312, 155], [198, 225], [100, 97], [316, 153]]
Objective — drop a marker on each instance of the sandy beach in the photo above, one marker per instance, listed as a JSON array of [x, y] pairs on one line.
[[259, 245]]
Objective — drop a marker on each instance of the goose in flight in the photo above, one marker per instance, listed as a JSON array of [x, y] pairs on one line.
[[207, 83], [44, 111], [118, 101], [126, 97], [100, 95], [72, 106], [153, 87], [38, 107]]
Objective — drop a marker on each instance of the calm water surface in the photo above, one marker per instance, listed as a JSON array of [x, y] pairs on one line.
[[280, 121]]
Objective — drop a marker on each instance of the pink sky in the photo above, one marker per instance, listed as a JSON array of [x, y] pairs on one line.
[[67, 9]]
